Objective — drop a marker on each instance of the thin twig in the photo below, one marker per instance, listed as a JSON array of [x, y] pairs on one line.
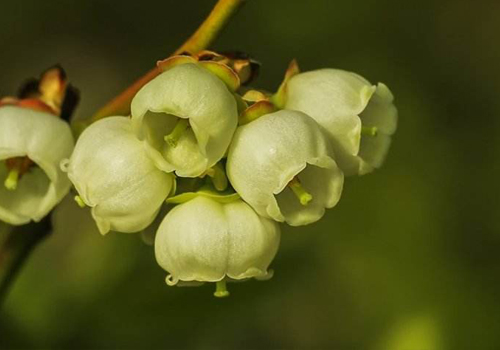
[[204, 36]]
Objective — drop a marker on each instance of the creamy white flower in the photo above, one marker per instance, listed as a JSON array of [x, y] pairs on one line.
[[269, 152], [205, 240], [46, 140], [196, 109], [358, 117], [114, 176]]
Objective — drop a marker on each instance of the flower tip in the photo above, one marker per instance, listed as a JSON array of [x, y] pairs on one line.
[[302, 195], [11, 180], [223, 294], [171, 280], [80, 201], [64, 165], [220, 289], [305, 199], [171, 141], [369, 130]]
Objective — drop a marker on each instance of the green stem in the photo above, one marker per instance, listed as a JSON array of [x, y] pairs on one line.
[[16, 249], [204, 36]]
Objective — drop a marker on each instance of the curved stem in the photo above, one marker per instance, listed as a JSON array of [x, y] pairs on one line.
[[16, 249], [204, 36]]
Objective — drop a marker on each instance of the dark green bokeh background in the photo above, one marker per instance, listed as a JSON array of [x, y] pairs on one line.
[[409, 259]]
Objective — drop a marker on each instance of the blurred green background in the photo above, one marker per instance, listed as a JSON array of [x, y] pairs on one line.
[[409, 259]]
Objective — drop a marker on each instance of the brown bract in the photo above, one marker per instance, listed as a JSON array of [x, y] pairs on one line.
[[50, 94]]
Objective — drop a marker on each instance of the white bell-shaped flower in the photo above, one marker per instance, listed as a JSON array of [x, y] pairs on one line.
[[114, 176], [358, 117], [283, 166], [187, 117], [206, 240], [37, 142]]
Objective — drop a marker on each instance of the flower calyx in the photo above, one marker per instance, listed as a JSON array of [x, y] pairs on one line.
[[217, 175], [51, 93], [219, 69], [279, 98], [241, 63], [207, 192], [256, 110], [261, 103]]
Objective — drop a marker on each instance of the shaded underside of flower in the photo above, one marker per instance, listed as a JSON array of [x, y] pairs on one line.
[[187, 117], [32, 144], [358, 117], [282, 165]]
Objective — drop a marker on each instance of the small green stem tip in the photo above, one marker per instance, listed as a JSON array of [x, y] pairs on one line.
[[299, 191], [11, 180], [218, 176], [181, 126], [80, 202], [369, 130], [220, 289]]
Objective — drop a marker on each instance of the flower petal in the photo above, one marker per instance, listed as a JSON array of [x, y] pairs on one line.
[[267, 153], [190, 91], [203, 240], [46, 140], [113, 174]]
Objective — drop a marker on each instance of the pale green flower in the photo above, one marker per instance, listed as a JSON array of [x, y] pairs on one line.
[[358, 117], [187, 117], [44, 139], [279, 157], [208, 241], [114, 176]]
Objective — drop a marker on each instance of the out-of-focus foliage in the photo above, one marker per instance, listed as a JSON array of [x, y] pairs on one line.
[[407, 260]]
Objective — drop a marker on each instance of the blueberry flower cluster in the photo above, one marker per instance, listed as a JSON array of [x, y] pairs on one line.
[[235, 161]]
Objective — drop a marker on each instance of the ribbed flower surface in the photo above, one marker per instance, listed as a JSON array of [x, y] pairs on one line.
[[204, 240], [114, 176], [269, 152]]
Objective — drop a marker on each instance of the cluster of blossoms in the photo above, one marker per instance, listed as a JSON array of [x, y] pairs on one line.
[[229, 162]]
